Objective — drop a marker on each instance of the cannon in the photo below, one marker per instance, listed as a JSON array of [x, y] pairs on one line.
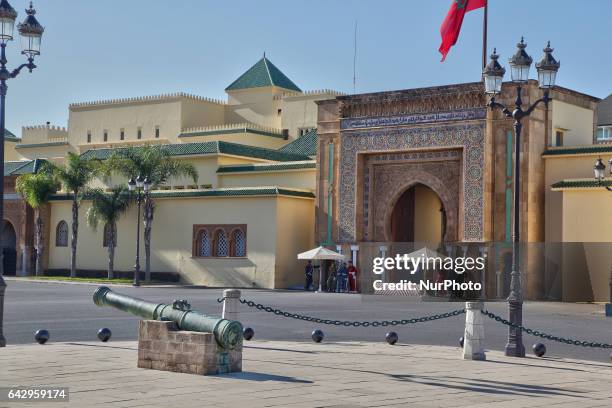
[[228, 333]]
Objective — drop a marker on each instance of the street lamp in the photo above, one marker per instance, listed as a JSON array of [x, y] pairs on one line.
[[139, 185], [492, 77], [31, 32], [600, 172]]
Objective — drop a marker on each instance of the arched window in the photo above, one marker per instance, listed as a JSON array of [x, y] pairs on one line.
[[107, 236], [238, 243], [61, 234], [221, 246], [204, 244]]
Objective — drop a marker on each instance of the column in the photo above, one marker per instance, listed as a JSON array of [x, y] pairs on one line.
[[231, 300], [473, 339]]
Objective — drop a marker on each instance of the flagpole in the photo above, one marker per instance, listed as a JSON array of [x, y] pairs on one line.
[[484, 35]]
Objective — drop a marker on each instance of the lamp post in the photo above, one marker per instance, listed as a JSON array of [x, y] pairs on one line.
[[492, 77], [600, 175], [31, 33], [139, 185]]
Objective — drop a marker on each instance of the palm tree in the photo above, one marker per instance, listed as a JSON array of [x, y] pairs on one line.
[[74, 176], [108, 207], [36, 190], [155, 163]]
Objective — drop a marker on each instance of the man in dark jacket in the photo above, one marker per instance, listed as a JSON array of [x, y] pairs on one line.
[[308, 274]]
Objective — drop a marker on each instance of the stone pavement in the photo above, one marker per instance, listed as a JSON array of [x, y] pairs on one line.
[[291, 374]]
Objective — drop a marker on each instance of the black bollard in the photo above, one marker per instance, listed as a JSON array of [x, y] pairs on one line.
[[461, 341], [317, 336], [104, 334], [391, 338], [248, 333], [41, 336], [539, 349]]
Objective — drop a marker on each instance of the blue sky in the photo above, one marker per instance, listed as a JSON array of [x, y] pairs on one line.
[[121, 48]]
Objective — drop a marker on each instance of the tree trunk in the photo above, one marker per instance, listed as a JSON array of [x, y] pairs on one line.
[[39, 243], [111, 250], [149, 209], [75, 232]]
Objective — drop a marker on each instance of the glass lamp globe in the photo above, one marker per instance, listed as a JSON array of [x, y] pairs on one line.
[[7, 21], [547, 69], [31, 34], [492, 75], [520, 63], [599, 169]]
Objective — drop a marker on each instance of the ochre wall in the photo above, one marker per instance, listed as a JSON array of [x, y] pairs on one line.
[[251, 139], [54, 153], [300, 112], [295, 234], [558, 168], [576, 122], [196, 112], [113, 117], [427, 215], [255, 105], [302, 179], [586, 215], [10, 154], [172, 239]]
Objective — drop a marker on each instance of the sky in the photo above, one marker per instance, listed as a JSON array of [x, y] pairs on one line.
[[111, 49]]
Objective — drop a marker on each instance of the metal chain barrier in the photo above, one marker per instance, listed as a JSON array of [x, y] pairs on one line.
[[544, 335], [347, 323]]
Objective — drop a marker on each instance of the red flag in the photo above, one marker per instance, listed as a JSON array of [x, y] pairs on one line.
[[451, 26]]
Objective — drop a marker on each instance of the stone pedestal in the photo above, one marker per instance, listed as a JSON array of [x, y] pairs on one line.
[[473, 339], [161, 346]]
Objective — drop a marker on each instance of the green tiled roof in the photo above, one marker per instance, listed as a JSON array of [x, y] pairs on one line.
[[10, 136], [217, 147], [581, 184], [263, 74], [219, 192], [48, 144], [305, 145], [16, 168], [240, 168], [602, 148], [229, 131]]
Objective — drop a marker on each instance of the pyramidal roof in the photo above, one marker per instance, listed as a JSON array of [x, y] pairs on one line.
[[263, 74]]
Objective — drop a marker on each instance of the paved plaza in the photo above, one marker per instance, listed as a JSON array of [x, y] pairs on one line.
[[68, 312], [295, 374]]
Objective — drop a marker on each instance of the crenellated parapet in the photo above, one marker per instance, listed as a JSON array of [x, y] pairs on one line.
[[146, 99], [43, 134]]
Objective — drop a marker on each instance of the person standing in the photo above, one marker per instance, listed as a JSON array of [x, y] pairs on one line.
[[308, 274], [331, 277], [352, 277], [341, 277]]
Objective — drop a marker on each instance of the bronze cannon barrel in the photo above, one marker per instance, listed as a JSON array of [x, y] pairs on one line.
[[228, 333]]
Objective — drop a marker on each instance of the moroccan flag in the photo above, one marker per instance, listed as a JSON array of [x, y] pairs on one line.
[[452, 23]]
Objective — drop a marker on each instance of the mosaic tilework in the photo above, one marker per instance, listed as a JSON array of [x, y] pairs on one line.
[[470, 137], [394, 171]]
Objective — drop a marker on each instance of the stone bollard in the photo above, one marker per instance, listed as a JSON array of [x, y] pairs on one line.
[[473, 344], [231, 300]]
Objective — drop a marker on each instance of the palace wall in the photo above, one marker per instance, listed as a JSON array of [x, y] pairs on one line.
[[280, 220]]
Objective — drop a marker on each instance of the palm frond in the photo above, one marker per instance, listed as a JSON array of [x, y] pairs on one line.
[[76, 173], [36, 188], [107, 207]]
